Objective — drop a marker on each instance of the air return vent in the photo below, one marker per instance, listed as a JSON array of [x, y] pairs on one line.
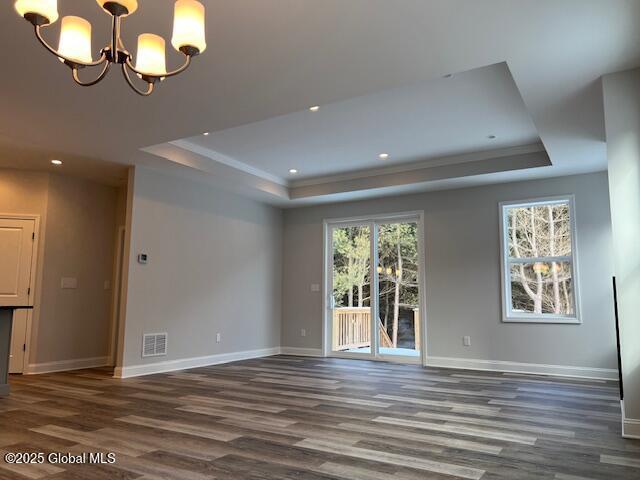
[[154, 344]]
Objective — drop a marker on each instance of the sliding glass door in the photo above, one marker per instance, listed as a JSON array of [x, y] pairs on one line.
[[398, 288], [374, 312], [350, 308]]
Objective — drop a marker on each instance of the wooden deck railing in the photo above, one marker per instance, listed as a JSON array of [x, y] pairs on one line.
[[352, 329]]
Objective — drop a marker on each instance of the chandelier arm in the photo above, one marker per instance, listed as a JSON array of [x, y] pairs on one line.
[[103, 73], [181, 69], [127, 77], [68, 61]]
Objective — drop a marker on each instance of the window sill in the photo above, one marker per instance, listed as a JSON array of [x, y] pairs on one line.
[[549, 319]]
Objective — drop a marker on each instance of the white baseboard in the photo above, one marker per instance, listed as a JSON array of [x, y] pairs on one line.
[[65, 365], [194, 362], [515, 367], [490, 365], [301, 352], [630, 426]]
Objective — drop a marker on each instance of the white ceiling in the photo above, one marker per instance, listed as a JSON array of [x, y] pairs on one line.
[[432, 119], [268, 58]]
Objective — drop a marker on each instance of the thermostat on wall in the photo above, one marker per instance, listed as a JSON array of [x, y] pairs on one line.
[[142, 258]]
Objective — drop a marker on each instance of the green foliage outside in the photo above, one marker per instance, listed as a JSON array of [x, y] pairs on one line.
[[397, 270]]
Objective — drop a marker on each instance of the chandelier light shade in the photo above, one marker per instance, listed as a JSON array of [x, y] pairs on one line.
[[151, 58], [188, 26], [47, 10], [74, 47], [75, 39]]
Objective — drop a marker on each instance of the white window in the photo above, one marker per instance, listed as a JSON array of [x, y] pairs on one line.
[[539, 272]]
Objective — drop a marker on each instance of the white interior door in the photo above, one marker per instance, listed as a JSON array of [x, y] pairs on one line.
[[18, 341], [16, 255]]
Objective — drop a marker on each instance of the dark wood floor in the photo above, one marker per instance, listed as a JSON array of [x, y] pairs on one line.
[[306, 418]]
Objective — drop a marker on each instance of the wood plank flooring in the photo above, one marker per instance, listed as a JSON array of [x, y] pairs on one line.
[[289, 417]]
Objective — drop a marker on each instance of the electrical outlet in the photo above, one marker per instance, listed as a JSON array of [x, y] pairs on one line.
[[315, 287], [68, 283], [303, 333], [466, 341], [218, 337]]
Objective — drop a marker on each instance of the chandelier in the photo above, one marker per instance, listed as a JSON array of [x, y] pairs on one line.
[[74, 48]]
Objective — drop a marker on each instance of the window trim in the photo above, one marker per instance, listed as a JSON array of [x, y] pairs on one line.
[[508, 316]]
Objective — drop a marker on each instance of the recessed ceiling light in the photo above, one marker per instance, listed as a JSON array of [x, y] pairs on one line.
[[206, 134], [293, 171], [315, 108], [491, 137], [383, 156], [56, 162]]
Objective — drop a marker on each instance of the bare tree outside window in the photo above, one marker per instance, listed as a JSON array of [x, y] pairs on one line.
[[539, 259]]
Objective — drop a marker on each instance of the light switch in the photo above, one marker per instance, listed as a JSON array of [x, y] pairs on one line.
[[466, 341], [68, 283], [107, 284], [315, 287]]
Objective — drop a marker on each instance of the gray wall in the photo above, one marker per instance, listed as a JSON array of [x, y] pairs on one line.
[[215, 265], [77, 234], [622, 120], [463, 274], [80, 240]]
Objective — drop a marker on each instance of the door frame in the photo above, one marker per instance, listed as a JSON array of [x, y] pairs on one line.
[[328, 288], [116, 293], [373, 220], [34, 274]]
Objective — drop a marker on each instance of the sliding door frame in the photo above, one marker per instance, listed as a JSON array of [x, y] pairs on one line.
[[328, 305], [327, 285]]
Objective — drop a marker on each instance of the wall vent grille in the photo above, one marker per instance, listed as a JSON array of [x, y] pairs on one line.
[[154, 344]]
